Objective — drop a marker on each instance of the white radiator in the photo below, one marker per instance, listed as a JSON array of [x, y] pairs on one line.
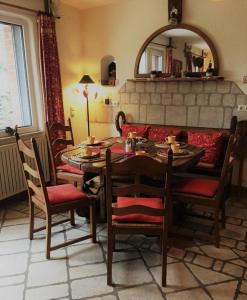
[[12, 179]]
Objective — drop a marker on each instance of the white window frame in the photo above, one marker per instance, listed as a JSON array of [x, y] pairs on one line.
[[30, 41]]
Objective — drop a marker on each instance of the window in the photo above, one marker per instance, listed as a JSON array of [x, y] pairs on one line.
[[20, 93], [157, 62], [143, 63]]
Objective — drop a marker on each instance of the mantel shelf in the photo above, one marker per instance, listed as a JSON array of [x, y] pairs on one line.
[[169, 79]]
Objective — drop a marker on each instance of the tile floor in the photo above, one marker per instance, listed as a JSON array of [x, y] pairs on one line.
[[196, 270]]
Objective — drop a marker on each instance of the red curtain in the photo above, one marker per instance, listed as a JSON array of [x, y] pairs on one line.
[[50, 69], [168, 67]]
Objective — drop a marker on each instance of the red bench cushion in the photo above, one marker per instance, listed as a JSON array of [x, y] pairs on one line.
[[211, 143], [149, 202], [160, 133], [69, 169], [64, 193], [197, 186], [141, 130]]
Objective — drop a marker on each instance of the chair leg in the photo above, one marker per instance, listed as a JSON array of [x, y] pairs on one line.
[[93, 221], [48, 235], [72, 217], [163, 238], [31, 219], [216, 227], [109, 257], [223, 215]]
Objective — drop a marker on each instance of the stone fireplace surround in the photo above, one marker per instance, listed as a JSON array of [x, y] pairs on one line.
[[196, 103]]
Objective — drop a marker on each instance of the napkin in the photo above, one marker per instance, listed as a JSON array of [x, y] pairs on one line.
[[119, 149]]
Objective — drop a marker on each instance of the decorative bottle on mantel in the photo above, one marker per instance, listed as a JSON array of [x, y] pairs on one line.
[[210, 70]]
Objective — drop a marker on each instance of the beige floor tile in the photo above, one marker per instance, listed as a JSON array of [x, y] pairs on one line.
[[38, 273], [207, 276], [218, 265], [87, 270], [189, 256], [41, 256], [234, 232], [203, 261], [47, 292], [84, 254], [233, 270], [13, 264], [242, 297], [108, 297], [176, 253], [241, 253], [15, 246], [4, 281], [38, 242], [218, 253], [227, 242], [14, 214], [241, 245], [12, 292], [240, 262], [244, 287], [223, 291], [15, 232], [16, 221], [145, 292], [154, 259], [89, 288], [125, 255], [195, 250], [130, 273], [178, 277], [194, 294]]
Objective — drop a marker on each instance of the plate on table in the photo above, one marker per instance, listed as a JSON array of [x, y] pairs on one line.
[[182, 153], [166, 145], [96, 143], [91, 156]]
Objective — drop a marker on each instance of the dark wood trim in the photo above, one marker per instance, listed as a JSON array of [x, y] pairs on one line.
[[181, 26]]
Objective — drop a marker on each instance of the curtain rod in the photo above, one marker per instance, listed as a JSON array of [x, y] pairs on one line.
[[23, 8]]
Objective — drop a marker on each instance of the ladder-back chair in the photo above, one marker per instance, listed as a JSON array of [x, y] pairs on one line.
[[141, 207], [52, 199]]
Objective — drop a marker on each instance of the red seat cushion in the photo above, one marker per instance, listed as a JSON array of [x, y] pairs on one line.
[[211, 143], [160, 133], [141, 130], [197, 186], [64, 193], [149, 202], [69, 169]]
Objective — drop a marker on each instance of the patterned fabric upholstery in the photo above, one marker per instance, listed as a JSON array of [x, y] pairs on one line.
[[69, 169], [197, 186], [141, 130], [160, 133], [149, 202], [64, 193], [211, 143]]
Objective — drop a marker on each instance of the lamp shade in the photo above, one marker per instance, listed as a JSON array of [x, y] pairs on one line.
[[86, 79]]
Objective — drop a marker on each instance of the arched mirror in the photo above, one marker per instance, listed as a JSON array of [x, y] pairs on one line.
[[177, 50]]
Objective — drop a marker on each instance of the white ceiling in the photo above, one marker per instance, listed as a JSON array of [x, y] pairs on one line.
[[85, 4]]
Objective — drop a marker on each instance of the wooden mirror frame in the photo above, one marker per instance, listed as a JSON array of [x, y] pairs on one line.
[[177, 26]]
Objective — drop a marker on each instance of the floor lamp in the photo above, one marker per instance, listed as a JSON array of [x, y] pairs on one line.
[[86, 79]]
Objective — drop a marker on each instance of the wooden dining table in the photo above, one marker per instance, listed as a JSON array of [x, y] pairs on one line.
[[96, 165]]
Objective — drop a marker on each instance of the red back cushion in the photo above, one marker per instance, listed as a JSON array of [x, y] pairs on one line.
[[141, 130], [211, 143], [160, 133], [149, 202]]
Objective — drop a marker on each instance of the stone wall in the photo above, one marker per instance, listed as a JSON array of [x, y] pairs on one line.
[[199, 103]]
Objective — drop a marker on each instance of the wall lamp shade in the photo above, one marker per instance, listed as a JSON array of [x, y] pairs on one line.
[[86, 79]]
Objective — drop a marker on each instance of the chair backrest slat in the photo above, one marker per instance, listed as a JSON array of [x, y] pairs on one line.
[[34, 177], [136, 188], [138, 209]]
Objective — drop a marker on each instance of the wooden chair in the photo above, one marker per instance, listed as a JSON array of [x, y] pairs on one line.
[[141, 207], [209, 192], [53, 199], [59, 136]]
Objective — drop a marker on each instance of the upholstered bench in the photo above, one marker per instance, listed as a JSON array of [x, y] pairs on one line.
[[214, 141]]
